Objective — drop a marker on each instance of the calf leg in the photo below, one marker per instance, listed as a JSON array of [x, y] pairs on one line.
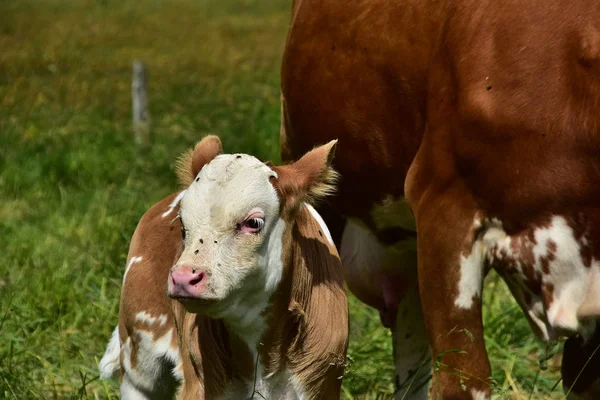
[[151, 367], [451, 273], [411, 349]]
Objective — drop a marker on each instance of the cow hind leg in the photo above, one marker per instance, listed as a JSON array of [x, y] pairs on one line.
[[411, 349]]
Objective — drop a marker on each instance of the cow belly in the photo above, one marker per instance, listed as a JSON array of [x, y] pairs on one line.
[[377, 275]]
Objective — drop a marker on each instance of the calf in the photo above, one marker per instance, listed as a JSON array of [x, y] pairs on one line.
[[260, 305]]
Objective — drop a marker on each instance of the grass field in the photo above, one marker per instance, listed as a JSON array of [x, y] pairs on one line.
[[73, 185]]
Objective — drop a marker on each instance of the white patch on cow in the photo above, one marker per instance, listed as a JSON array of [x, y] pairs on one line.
[[148, 319], [132, 261], [568, 274], [320, 221], [557, 264], [479, 395], [243, 269], [471, 277], [472, 266], [109, 364], [146, 374], [534, 310], [173, 204]]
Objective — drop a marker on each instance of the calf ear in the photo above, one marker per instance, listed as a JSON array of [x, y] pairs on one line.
[[309, 179], [189, 164]]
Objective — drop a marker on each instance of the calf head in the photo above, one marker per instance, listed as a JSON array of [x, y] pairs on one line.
[[234, 214]]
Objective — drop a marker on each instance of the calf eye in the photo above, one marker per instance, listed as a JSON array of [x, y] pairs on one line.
[[253, 225]]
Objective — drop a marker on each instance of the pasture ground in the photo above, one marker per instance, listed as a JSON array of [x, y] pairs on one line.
[[73, 185]]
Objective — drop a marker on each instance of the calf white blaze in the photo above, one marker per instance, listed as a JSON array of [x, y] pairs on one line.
[[240, 265]]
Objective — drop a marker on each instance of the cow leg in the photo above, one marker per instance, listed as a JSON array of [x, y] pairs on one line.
[[581, 367], [411, 349], [451, 272]]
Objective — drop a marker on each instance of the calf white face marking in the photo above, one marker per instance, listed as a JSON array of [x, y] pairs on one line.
[[173, 204], [232, 235]]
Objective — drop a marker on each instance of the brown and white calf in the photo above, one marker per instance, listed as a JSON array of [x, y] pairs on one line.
[[480, 118], [260, 305]]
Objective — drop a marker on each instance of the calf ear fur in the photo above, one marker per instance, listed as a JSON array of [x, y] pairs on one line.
[[307, 180], [189, 164]]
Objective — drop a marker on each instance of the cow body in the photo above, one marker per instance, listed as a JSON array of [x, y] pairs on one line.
[[483, 117], [275, 322]]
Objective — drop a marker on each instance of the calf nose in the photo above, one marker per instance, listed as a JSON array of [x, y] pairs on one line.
[[186, 281]]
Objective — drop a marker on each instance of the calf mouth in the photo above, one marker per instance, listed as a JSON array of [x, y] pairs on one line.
[[196, 305]]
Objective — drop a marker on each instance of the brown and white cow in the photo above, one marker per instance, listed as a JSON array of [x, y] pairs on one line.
[[260, 305], [481, 118]]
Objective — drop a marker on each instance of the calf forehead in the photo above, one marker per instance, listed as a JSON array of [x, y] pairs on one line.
[[226, 167], [229, 184]]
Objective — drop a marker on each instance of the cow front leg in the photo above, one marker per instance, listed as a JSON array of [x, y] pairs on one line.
[[581, 367], [451, 272], [411, 349]]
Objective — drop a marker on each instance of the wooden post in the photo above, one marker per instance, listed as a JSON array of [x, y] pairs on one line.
[[139, 96]]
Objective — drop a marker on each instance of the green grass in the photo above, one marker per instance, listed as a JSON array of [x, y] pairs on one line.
[[73, 185]]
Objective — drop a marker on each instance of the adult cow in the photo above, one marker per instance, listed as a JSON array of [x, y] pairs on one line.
[[485, 117], [264, 313]]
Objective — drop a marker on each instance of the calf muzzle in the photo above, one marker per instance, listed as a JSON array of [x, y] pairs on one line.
[[187, 282]]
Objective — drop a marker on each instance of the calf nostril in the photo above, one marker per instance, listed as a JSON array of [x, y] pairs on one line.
[[197, 279]]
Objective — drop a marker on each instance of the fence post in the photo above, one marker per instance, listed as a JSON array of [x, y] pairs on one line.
[[139, 97]]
